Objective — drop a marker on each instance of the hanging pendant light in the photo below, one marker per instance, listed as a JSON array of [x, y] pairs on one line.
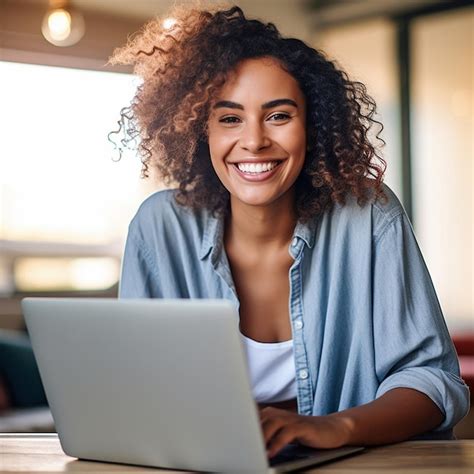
[[62, 25]]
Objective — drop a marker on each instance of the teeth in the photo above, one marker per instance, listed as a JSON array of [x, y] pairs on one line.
[[256, 167]]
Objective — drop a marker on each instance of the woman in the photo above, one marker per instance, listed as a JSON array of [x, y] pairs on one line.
[[280, 207]]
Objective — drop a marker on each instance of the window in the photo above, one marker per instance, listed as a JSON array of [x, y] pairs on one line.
[[64, 202], [442, 123], [442, 116], [349, 45]]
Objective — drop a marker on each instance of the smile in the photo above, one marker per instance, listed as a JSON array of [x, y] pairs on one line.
[[255, 168], [256, 171]]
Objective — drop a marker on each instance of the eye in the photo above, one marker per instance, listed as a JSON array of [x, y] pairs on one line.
[[231, 119], [279, 117]]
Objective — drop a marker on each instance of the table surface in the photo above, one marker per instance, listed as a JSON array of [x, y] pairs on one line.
[[42, 452]]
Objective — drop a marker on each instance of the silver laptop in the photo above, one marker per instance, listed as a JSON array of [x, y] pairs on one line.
[[154, 382]]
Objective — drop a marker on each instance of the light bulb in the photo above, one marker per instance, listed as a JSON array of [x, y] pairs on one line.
[[63, 27], [59, 24]]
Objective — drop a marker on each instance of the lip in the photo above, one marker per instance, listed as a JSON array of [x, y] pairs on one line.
[[256, 177], [260, 160]]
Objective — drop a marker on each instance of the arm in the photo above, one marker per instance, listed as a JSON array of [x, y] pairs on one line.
[[397, 415], [138, 274], [156, 261], [415, 363], [412, 346]]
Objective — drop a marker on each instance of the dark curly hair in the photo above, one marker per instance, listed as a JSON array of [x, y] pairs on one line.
[[184, 67]]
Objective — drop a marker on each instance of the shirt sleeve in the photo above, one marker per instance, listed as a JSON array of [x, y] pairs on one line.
[[413, 348], [139, 275]]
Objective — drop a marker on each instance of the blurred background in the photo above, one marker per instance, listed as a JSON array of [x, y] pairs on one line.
[[65, 201]]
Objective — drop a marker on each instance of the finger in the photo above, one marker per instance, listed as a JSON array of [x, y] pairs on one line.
[[267, 412], [270, 426], [280, 440], [270, 412]]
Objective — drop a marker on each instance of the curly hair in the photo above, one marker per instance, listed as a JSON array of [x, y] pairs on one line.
[[182, 69]]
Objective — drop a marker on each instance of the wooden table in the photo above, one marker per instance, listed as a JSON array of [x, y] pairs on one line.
[[42, 452]]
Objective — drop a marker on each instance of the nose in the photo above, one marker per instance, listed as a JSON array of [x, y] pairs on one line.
[[254, 137]]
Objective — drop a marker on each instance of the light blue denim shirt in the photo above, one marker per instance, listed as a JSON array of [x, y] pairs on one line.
[[364, 314]]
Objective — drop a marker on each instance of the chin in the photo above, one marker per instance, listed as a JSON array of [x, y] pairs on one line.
[[255, 199]]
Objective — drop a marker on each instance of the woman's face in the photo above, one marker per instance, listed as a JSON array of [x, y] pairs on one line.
[[257, 132]]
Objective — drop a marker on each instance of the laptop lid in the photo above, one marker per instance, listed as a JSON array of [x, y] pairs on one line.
[[150, 382]]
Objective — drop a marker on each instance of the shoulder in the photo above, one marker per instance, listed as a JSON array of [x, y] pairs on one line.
[[389, 208], [386, 212], [375, 216], [160, 215], [156, 205]]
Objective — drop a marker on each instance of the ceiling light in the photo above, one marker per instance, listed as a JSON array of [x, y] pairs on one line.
[[63, 26]]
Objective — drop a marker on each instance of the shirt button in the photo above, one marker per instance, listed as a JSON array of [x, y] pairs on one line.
[[294, 243], [303, 374], [298, 324]]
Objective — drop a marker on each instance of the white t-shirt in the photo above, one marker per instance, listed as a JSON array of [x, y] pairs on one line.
[[271, 370]]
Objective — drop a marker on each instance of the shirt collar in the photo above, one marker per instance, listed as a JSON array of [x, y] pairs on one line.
[[214, 233], [306, 231]]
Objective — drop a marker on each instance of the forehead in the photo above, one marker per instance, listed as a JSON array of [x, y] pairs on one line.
[[261, 80]]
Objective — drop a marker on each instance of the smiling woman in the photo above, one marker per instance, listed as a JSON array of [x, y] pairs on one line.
[[255, 138], [181, 85], [280, 208]]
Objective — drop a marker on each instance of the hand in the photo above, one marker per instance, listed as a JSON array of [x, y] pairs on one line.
[[281, 427]]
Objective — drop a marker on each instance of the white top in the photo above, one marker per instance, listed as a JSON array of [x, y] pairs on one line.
[[271, 370]]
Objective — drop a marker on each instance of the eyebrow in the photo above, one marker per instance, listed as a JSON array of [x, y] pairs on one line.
[[267, 105]]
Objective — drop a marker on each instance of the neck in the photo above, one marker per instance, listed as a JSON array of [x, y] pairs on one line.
[[260, 227]]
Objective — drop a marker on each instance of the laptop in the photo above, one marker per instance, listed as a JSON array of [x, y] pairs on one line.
[[159, 383]]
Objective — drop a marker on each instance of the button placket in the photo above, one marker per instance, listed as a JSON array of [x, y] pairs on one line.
[[303, 380]]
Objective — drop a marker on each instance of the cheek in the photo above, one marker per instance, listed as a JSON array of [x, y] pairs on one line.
[[300, 138], [294, 141], [214, 148], [217, 153], [220, 144]]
